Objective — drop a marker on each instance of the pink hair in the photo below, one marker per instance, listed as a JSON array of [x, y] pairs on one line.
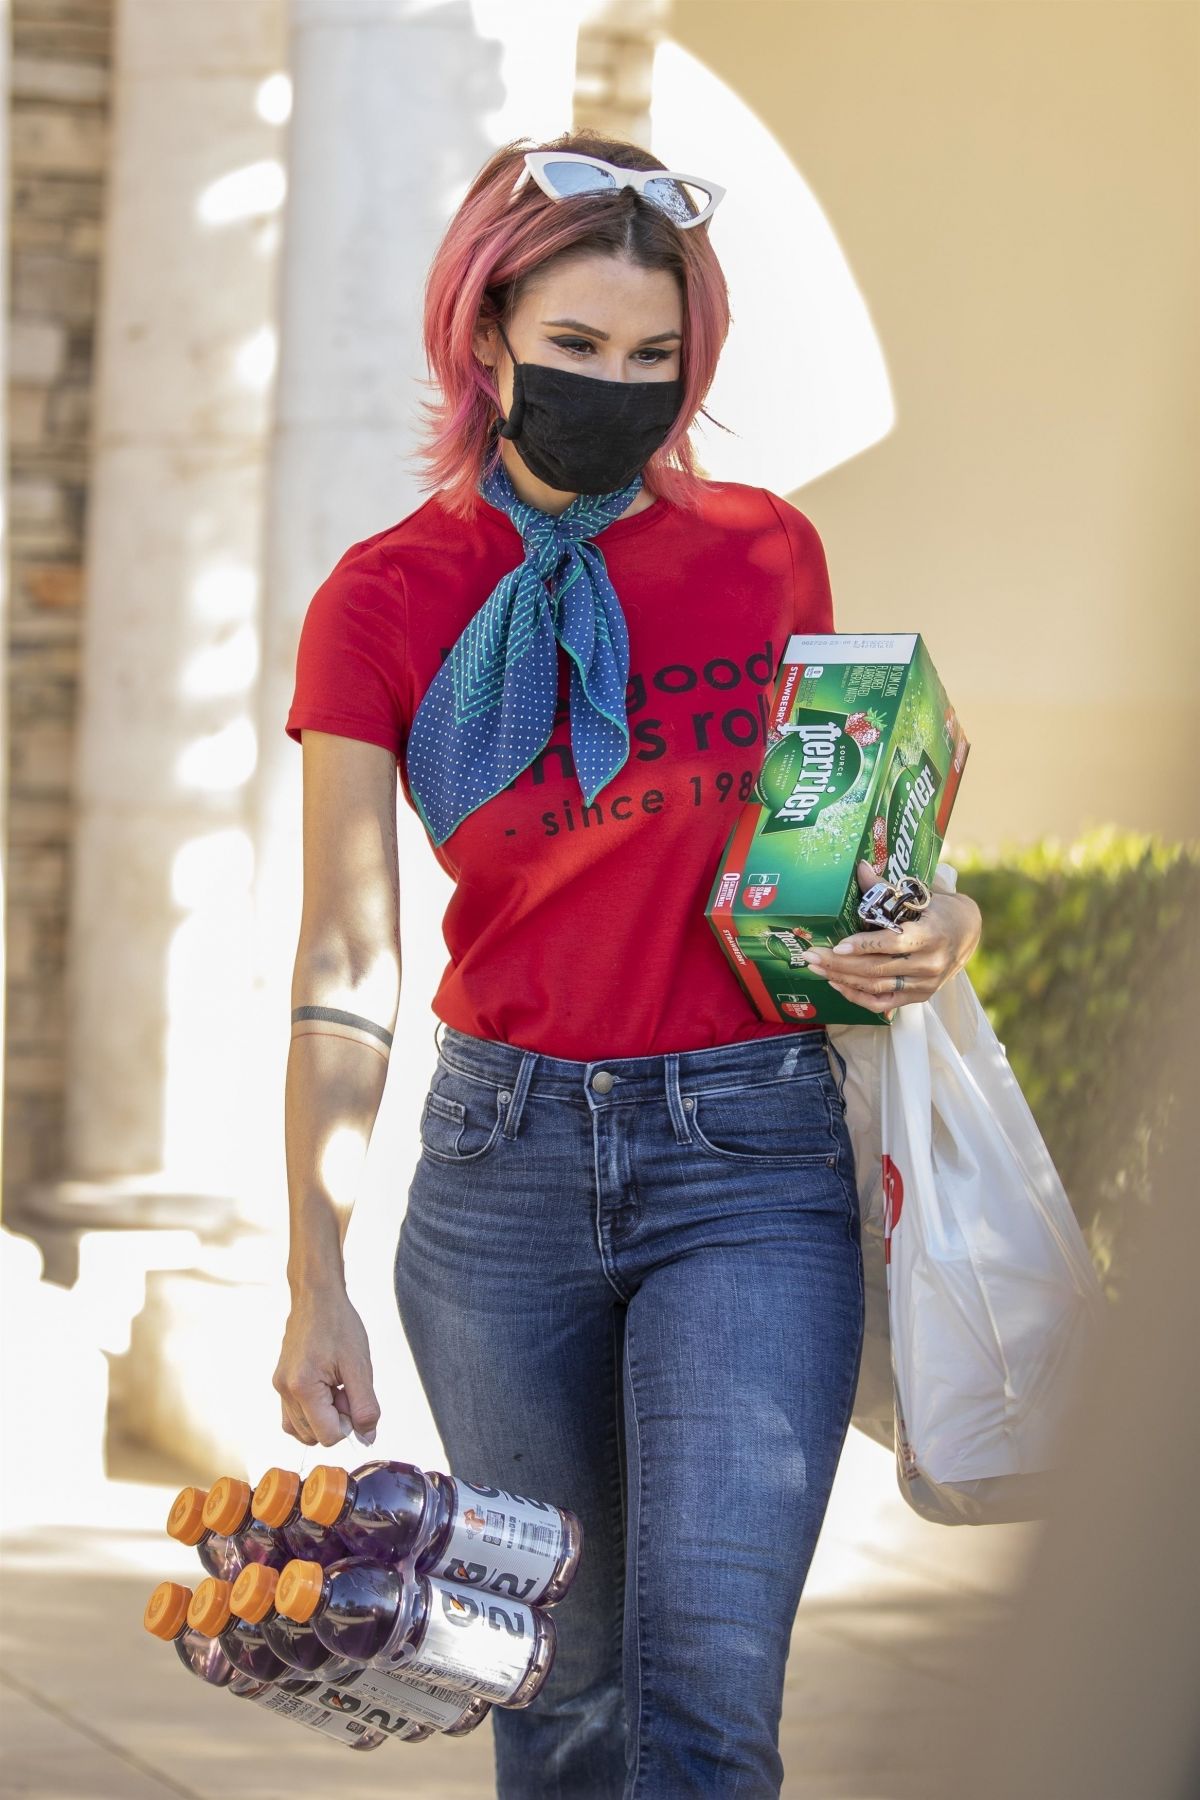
[[493, 249]]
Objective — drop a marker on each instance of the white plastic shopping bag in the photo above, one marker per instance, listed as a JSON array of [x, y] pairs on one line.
[[975, 1266]]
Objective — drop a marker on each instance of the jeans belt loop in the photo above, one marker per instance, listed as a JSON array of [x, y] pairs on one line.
[[516, 1105], [679, 1118]]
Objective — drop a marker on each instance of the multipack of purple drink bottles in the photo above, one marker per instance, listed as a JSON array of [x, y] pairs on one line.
[[388, 1602]]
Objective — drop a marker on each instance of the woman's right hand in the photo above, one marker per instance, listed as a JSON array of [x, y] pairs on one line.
[[324, 1377]]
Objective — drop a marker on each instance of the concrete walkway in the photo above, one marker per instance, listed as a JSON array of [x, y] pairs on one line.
[[91, 1708]]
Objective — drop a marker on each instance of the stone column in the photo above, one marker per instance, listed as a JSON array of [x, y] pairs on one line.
[[158, 947], [166, 741]]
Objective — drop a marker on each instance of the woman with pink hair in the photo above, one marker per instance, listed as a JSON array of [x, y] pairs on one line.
[[630, 1269]]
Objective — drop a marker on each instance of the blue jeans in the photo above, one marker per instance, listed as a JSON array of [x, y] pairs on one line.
[[635, 1288]]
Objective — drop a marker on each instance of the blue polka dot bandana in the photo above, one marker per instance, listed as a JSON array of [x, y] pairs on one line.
[[489, 710]]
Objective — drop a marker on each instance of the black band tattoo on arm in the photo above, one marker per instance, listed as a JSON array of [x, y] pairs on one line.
[[333, 1015]]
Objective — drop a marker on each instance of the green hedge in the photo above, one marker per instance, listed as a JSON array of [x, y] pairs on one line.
[[1088, 952]]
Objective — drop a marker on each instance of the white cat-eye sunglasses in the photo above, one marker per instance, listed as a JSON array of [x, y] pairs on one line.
[[686, 199]]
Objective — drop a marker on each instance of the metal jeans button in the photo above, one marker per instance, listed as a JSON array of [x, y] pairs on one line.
[[602, 1081]]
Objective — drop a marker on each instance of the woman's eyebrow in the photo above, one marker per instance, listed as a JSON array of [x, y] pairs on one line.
[[578, 325]]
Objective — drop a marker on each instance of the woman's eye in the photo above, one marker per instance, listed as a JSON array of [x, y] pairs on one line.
[[585, 344]]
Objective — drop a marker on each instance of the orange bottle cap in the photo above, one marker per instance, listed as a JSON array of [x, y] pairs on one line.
[[324, 1494], [298, 1593], [228, 1505], [253, 1593], [210, 1611], [166, 1611], [185, 1521], [275, 1496]]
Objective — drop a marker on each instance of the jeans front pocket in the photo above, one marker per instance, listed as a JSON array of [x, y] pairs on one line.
[[462, 1117], [776, 1123]]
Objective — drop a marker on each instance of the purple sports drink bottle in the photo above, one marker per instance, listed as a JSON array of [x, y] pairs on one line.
[[391, 1616], [209, 1612], [185, 1523], [380, 1510], [166, 1616], [488, 1538], [276, 1504], [229, 1510], [252, 1599], [445, 1709]]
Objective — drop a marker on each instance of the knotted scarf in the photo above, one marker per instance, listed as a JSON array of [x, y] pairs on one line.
[[489, 710]]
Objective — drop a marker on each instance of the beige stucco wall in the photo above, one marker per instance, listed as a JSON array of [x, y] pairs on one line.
[[1015, 189]]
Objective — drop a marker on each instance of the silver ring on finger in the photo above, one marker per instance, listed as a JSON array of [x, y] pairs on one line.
[[899, 984]]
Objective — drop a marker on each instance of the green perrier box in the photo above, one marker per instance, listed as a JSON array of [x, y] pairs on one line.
[[863, 759]]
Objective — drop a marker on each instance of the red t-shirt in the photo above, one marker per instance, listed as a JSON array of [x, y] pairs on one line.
[[581, 932]]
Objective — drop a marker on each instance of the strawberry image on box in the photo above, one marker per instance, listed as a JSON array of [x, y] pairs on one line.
[[863, 759]]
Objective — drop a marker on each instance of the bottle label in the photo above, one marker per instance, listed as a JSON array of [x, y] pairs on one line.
[[332, 1710], [481, 1642], [501, 1541], [432, 1705]]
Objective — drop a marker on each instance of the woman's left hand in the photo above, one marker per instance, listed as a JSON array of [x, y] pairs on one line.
[[923, 954]]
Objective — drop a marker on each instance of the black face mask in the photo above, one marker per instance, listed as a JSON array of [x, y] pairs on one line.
[[583, 435]]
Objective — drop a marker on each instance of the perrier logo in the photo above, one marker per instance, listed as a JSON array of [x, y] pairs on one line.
[[814, 763], [910, 814]]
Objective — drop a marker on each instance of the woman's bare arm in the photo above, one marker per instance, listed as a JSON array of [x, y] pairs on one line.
[[345, 998]]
